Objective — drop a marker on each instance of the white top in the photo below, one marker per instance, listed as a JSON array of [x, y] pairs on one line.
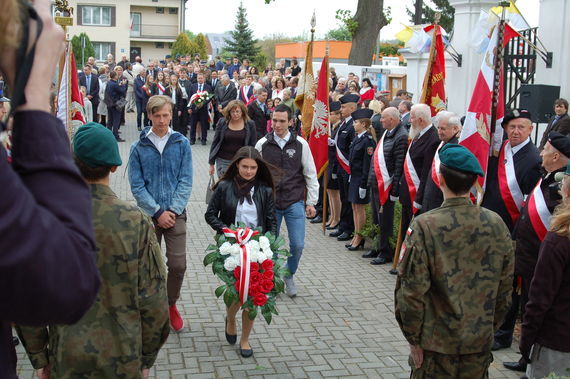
[[516, 148], [282, 141], [247, 213], [159, 142]]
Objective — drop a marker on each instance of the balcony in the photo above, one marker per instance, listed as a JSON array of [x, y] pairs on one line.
[[154, 32]]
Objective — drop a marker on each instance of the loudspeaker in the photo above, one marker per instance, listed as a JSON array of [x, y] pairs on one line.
[[539, 99]]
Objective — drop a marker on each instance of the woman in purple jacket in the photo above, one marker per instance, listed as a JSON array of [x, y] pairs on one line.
[[545, 336]]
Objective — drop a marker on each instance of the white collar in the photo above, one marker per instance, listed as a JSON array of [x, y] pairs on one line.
[[346, 120], [516, 148], [424, 130], [361, 134], [168, 133], [286, 138]]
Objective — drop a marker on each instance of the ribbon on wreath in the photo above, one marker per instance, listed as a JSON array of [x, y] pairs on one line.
[[242, 237]]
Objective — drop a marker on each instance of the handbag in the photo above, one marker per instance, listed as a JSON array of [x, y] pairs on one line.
[[120, 104], [209, 190]]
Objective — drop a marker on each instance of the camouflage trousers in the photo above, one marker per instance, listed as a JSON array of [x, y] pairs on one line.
[[468, 366]]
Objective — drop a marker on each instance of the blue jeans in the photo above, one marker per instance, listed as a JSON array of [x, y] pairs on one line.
[[295, 220]]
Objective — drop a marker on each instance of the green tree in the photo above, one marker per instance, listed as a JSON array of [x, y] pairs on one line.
[[428, 14], [183, 46], [339, 34], [82, 53], [242, 44], [201, 46]]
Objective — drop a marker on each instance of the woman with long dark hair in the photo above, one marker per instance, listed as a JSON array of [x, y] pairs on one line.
[[233, 131], [244, 194], [175, 93]]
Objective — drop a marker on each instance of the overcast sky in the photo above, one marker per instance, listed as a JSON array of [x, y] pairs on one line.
[[292, 17]]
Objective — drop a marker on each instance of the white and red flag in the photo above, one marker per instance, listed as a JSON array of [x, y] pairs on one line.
[[476, 132], [318, 140], [70, 107]]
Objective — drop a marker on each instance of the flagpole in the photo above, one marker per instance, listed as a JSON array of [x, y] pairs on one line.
[[325, 170], [497, 71], [431, 58]]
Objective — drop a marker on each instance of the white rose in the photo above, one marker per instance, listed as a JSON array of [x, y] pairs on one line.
[[231, 263], [225, 248], [235, 250], [264, 243], [268, 254], [253, 245]]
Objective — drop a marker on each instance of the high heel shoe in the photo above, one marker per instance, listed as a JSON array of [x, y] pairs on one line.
[[230, 338], [331, 227], [357, 247]]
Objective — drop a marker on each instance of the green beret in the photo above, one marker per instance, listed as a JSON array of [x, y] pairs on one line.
[[96, 146], [459, 158]]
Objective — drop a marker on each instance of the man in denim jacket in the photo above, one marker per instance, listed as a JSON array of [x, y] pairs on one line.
[[160, 174]]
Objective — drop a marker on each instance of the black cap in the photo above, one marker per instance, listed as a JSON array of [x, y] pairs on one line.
[[349, 98], [334, 106], [515, 113], [362, 113], [560, 142]]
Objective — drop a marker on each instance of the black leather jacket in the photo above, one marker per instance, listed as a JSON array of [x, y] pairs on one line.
[[221, 211]]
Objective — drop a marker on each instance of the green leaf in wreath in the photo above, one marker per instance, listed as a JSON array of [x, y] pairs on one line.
[[210, 258], [267, 316], [220, 290], [252, 314], [220, 239], [212, 247], [218, 267], [228, 298], [279, 285]]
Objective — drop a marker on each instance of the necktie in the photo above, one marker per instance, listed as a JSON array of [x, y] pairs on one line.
[[555, 120], [88, 83]]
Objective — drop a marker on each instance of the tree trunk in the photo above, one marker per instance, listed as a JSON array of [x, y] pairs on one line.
[[418, 12], [370, 18]]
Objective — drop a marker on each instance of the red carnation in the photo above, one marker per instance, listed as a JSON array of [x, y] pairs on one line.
[[254, 277], [267, 275], [266, 286], [259, 299], [267, 265], [237, 272], [253, 266], [254, 290]]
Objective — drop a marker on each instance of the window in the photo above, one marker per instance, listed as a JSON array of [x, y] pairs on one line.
[[98, 16], [160, 10], [159, 45], [173, 10], [135, 24], [102, 49]]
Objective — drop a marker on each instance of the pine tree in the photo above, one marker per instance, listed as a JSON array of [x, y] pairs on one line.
[[242, 44], [428, 14]]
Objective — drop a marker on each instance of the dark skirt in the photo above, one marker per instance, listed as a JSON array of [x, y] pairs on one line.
[[353, 187], [332, 183]]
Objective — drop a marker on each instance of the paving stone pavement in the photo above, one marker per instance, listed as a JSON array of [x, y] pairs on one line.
[[340, 325]]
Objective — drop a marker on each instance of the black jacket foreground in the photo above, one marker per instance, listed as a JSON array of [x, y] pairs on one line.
[[221, 212], [221, 129], [48, 273]]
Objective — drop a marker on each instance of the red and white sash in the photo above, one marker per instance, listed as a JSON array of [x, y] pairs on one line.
[[244, 94], [161, 88], [242, 236], [538, 212], [382, 176], [412, 178], [435, 165], [508, 185], [342, 160]]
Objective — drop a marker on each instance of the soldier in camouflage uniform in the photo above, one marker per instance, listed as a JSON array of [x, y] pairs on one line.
[[121, 334], [454, 278]]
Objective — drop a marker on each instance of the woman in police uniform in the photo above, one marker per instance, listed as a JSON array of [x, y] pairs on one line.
[[361, 151], [333, 185]]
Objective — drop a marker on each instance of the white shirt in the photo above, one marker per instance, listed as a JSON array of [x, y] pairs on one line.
[[424, 131], [516, 148], [361, 134], [282, 141], [159, 142], [247, 213]]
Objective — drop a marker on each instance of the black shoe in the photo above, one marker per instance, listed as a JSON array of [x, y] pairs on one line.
[[230, 338], [192, 142], [370, 254], [119, 139], [332, 227], [336, 233], [317, 220], [393, 271], [380, 261], [498, 346], [344, 236], [139, 128], [246, 353], [515, 366], [357, 247]]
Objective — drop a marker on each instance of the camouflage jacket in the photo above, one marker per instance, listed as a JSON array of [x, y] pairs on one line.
[[455, 278], [124, 329]]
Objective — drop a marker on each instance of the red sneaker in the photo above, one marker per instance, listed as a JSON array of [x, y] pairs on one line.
[[176, 321]]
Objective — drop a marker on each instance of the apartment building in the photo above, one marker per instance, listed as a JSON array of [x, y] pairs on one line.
[[145, 28]]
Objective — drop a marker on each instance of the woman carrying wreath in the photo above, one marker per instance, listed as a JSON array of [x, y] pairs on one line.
[[233, 131], [244, 194]]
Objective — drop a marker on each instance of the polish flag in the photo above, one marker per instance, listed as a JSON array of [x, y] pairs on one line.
[[476, 132]]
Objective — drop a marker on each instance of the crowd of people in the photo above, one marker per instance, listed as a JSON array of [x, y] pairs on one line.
[[465, 271]]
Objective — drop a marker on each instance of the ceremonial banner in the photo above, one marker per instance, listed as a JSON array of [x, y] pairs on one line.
[[433, 91], [70, 101], [318, 142], [476, 133], [306, 93]]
